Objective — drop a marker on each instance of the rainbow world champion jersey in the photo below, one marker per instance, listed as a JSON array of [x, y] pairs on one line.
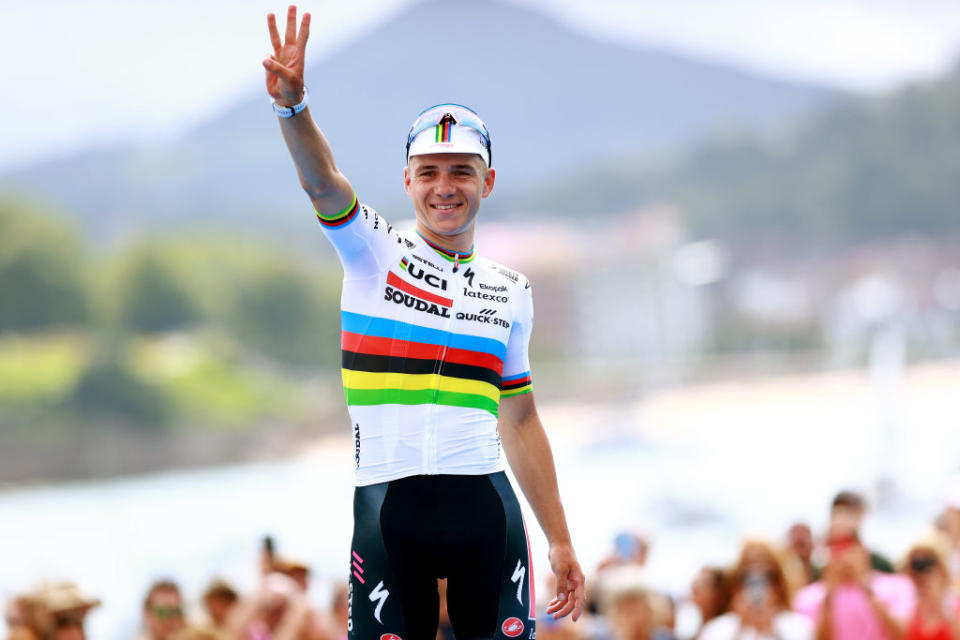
[[431, 340]]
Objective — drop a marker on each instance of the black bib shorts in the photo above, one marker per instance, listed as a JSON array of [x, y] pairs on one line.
[[408, 533]]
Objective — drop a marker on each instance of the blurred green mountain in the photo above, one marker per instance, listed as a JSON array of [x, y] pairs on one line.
[[862, 169], [554, 98]]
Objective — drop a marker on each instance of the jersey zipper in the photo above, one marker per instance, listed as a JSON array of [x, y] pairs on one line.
[[430, 449]]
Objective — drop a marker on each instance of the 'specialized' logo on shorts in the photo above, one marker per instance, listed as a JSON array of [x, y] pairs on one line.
[[390, 636], [512, 627]]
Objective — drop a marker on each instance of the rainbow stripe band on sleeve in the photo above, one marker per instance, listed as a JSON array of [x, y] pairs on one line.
[[516, 385], [343, 218]]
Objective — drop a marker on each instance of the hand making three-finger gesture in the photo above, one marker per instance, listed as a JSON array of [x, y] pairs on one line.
[[285, 66]]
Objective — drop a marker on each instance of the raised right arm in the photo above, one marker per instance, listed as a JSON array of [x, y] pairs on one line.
[[329, 190], [362, 239]]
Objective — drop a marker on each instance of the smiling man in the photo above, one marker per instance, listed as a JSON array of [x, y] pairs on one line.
[[436, 378]]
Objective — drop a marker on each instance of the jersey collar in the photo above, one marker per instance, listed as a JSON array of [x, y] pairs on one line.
[[451, 256]]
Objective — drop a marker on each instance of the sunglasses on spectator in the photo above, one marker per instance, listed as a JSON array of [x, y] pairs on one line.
[[166, 612], [922, 563], [67, 621]]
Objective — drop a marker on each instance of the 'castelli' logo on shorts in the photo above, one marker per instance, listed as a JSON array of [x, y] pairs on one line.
[[390, 636], [512, 627]]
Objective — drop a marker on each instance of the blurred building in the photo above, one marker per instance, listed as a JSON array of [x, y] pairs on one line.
[[619, 306]]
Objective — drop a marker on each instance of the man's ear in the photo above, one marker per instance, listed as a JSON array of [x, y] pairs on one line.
[[488, 181], [406, 179]]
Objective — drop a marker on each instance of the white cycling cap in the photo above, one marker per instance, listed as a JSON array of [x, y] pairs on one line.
[[449, 128]]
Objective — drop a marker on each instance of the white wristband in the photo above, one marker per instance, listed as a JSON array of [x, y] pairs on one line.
[[289, 112]]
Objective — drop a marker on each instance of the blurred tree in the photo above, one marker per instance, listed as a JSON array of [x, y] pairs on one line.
[[287, 316], [153, 295], [109, 390], [41, 270]]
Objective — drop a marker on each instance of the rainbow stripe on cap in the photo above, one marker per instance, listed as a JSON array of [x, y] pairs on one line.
[[444, 130]]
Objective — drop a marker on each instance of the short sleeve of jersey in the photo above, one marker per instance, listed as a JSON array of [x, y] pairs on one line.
[[362, 238], [516, 368]]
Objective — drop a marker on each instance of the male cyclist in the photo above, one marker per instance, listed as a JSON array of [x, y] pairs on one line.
[[436, 377]]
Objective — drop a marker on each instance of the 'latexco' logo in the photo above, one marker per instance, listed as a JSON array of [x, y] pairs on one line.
[[479, 295], [512, 627]]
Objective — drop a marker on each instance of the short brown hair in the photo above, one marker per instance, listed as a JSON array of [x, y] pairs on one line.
[[847, 498], [160, 585], [220, 589]]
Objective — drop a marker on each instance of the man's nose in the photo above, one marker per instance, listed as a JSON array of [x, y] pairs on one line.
[[443, 187]]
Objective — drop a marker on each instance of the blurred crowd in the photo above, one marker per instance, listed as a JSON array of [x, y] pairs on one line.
[[830, 586], [280, 609]]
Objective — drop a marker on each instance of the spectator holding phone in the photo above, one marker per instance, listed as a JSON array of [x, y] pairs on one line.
[[847, 512], [935, 617], [628, 549], [853, 601], [760, 606]]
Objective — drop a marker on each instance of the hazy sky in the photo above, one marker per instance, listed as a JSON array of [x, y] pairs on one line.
[[77, 73]]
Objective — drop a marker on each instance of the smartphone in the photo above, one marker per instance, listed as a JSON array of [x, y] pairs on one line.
[[625, 546], [757, 587]]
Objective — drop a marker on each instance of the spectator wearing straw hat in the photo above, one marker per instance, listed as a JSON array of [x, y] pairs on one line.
[[60, 611]]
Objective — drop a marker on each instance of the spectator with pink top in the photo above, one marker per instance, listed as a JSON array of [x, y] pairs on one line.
[[854, 602]]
